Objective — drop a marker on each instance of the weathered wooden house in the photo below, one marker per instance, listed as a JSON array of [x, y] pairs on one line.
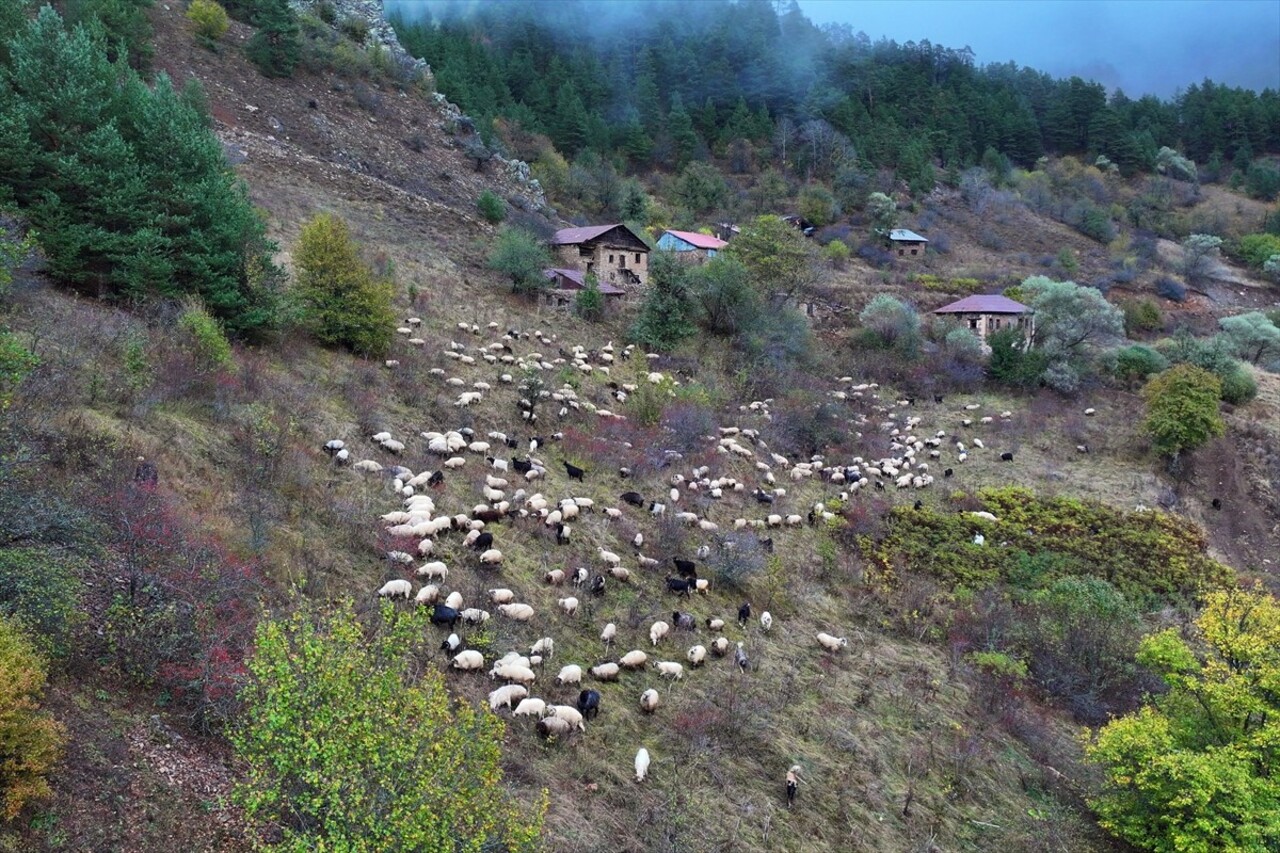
[[906, 244], [615, 253], [691, 243], [984, 315]]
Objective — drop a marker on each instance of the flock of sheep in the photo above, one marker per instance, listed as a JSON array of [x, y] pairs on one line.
[[512, 478]]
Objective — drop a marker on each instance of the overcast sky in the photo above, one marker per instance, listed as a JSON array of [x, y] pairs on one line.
[[1140, 46]]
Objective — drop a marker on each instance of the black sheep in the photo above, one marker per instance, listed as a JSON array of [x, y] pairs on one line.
[[444, 615], [1006, 457], [685, 568], [947, 473], [522, 466], [483, 541], [684, 621], [744, 613], [589, 704], [763, 497], [436, 480], [767, 545], [574, 472], [679, 585], [597, 585], [1216, 503], [633, 498]]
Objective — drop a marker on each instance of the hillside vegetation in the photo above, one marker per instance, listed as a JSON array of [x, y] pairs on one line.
[[1057, 612]]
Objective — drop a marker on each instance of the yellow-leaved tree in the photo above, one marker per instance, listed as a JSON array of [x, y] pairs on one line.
[[1199, 769], [349, 748], [30, 741], [342, 302]]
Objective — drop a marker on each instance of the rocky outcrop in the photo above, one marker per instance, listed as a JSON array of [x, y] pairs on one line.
[[370, 13]]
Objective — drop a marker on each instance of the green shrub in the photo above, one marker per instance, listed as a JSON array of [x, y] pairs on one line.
[[837, 252], [491, 206], [16, 363], [1239, 385], [1137, 362], [1141, 315], [40, 588], [589, 303], [210, 20], [31, 742], [1182, 408], [1255, 249], [343, 303], [209, 343]]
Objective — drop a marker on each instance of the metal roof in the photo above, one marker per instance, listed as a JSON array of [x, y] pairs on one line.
[[698, 241], [991, 304], [586, 233], [579, 278], [907, 236]]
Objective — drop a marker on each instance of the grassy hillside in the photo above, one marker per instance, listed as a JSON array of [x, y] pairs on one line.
[[905, 744]]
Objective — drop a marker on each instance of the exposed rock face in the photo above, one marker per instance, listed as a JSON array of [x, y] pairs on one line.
[[371, 13]]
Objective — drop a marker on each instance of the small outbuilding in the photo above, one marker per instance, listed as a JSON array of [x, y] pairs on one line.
[[907, 244], [564, 284], [698, 245], [984, 315]]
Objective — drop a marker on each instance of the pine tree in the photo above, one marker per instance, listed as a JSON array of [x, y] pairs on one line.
[[276, 47]]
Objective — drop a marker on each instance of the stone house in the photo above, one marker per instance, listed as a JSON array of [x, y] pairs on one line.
[[615, 253], [906, 244], [984, 315]]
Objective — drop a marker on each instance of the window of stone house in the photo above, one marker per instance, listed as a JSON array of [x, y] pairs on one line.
[[637, 257], [611, 259], [913, 251]]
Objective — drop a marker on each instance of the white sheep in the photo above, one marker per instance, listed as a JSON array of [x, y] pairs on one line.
[[620, 573], [545, 646], [492, 557], [633, 659], [832, 644], [715, 624], [501, 596], [474, 616], [515, 672], [657, 631], [609, 557], [429, 594], [605, 672], [517, 612], [720, 646], [555, 577], [468, 660], [649, 701], [766, 620], [454, 600], [435, 570], [529, 707], [507, 694], [568, 605], [670, 669], [642, 762], [367, 466], [697, 655], [398, 588], [610, 631], [568, 713], [570, 674]]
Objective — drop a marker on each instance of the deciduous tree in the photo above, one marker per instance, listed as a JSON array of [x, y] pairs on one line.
[[1182, 408], [522, 257], [30, 741], [343, 303]]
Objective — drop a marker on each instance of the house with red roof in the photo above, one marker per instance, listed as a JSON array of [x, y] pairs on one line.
[[700, 246], [984, 315], [563, 286], [614, 253]]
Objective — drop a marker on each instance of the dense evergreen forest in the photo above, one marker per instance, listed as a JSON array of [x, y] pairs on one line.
[[658, 87]]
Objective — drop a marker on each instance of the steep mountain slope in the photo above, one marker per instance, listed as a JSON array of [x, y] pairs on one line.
[[902, 746]]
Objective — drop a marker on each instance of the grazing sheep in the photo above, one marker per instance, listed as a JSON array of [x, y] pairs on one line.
[[468, 660], [429, 594], [832, 644], [670, 669], [514, 672], [720, 646], [545, 646], [605, 672], [715, 624], [554, 577], [744, 613], [740, 658], [367, 466], [642, 756], [571, 674], [683, 621], [766, 620], [506, 695], [702, 585], [568, 605], [620, 573], [442, 615], [516, 612], [1006, 457], [569, 714], [649, 701], [610, 631], [475, 616], [454, 600], [501, 596], [529, 708], [550, 727], [634, 659], [451, 644], [679, 586], [436, 570], [574, 472], [793, 782], [697, 655], [398, 588], [657, 631], [609, 557], [492, 557], [589, 704]]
